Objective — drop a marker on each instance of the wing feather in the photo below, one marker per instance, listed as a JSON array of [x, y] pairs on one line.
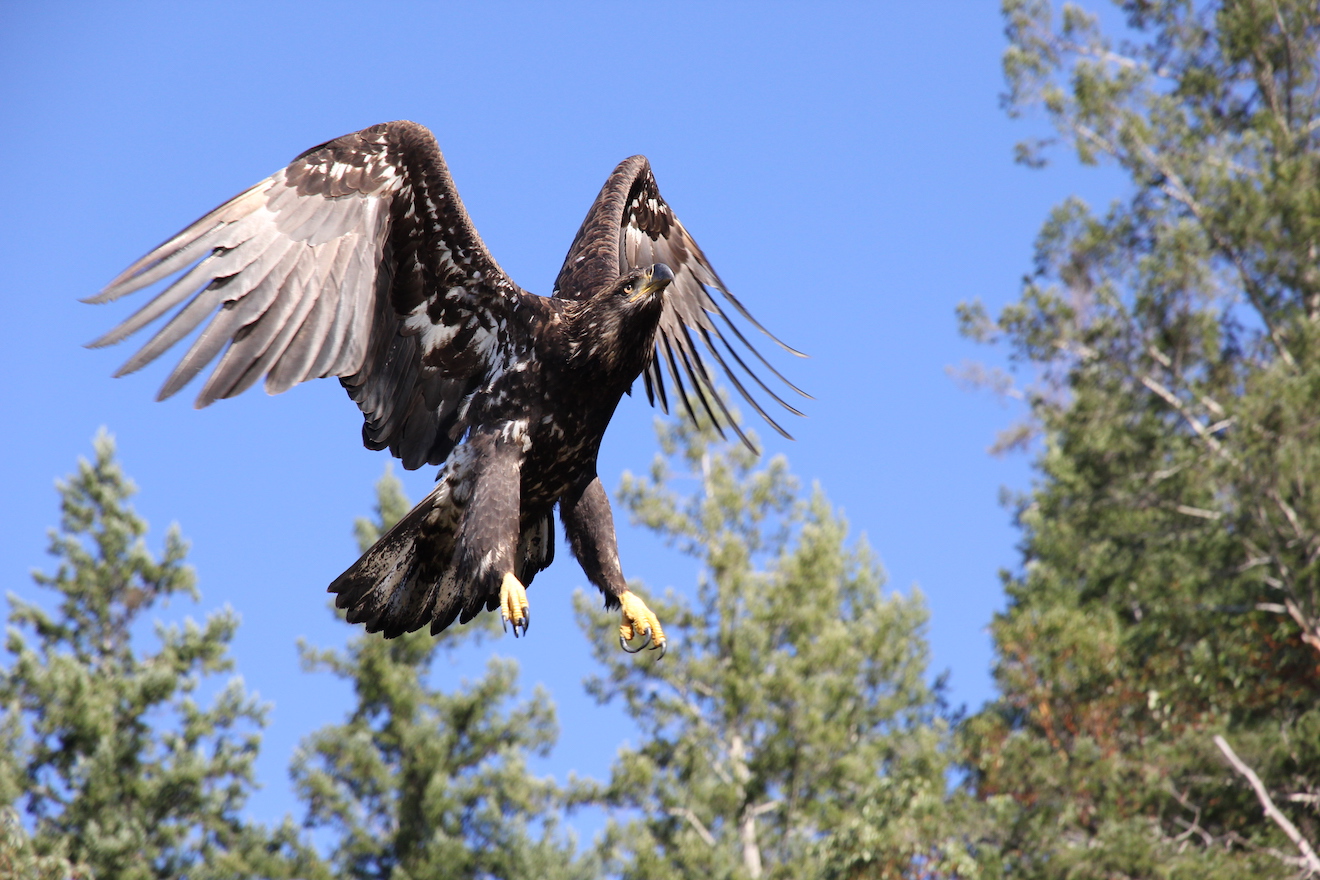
[[256, 290], [186, 286], [179, 251], [631, 226], [354, 276], [733, 376], [701, 379], [664, 345], [293, 364], [356, 260], [257, 344]]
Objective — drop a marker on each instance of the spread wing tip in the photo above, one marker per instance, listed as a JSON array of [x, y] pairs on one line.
[[118, 333], [121, 284], [788, 348], [689, 361]]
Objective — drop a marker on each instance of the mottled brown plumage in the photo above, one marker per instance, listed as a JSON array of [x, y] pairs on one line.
[[357, 260]]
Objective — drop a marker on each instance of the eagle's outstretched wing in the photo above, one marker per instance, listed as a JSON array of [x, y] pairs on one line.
[[630, 226], [357, 260]]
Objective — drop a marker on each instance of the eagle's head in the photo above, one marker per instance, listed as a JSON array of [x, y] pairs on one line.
[[615, 329]]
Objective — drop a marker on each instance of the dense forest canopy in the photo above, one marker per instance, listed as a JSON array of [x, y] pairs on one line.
[[1167, 345]]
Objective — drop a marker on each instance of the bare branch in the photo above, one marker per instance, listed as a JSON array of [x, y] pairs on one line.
[[1115, 58], [751, 850], [1198, 512], [1192, 421], [1310, 627], [1289, 513], [1309, 858], [1208, 402], [691, 817], [1176, 189]]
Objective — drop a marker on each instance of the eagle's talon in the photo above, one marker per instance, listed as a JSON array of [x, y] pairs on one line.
[[639, 621], [513, 605], [626, 634]]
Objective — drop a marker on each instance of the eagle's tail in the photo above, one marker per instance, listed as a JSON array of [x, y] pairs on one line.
[[410, 577]]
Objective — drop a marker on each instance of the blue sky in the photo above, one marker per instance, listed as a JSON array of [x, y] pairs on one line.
[[846, 168]]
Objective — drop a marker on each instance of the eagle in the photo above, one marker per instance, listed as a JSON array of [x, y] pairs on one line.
[[357, 260]]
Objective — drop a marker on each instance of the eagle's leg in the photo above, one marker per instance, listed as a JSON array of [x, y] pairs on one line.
[[590, 528], [488, 538]]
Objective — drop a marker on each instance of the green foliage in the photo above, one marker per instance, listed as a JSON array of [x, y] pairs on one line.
[[789, 732], [122, 771], [420, 783], [1170, 588], [20, 859]]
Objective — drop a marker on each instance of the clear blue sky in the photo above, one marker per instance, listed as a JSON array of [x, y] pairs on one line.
[[846, 168]]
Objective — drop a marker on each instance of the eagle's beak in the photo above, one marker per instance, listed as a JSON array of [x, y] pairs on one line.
[[658, 278]]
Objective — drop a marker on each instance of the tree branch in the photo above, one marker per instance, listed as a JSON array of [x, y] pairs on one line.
[[1177, 189], [1309, 858], [691, 817], [1192, 421], [1310, 628]]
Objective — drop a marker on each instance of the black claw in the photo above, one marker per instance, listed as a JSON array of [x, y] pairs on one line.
[[663, 646], [520, 625], [646, 640]]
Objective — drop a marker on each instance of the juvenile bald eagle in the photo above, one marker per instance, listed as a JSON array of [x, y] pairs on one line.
[[357, 260]]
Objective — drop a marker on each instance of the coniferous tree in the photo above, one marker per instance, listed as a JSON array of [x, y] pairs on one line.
[[120, 769], [20, 859], [419, 782], [1170, 590], [790, 730]]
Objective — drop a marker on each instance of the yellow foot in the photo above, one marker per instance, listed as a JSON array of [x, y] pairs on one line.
[[639, 621], [513, 605]]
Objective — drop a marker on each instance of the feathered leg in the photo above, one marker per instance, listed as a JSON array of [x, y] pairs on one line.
[[590, 528], [488, 537]]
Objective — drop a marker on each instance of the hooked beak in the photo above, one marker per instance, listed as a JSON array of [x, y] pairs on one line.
[[657, 278]]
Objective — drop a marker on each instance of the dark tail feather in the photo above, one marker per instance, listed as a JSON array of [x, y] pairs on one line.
[[411, 576], [407, 579]]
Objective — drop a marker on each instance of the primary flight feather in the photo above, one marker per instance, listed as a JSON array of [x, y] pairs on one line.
[[357, 260]]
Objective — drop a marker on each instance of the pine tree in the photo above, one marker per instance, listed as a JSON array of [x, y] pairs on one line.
[[1170, 587], [120, 769], [790, 730], [419, 782], [20, 859]]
